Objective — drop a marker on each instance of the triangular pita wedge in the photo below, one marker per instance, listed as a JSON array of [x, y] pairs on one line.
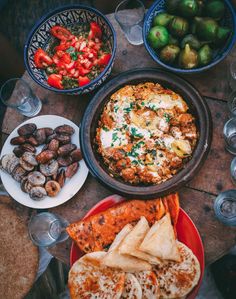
[[130, 244], [160, 241], [122, 261], [132, 288]]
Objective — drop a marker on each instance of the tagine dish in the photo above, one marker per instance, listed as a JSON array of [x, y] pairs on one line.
[[146, 134], [131, 251]]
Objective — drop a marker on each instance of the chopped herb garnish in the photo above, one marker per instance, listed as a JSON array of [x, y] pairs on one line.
[[142, 103], [73, 53], [114, 137], [135, 133], [128, 109], [135, 162], [105, 129], [167, 117], [116, 108]]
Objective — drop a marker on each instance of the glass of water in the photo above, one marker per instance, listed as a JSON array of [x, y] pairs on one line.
[[225, 207], [47, 229], [232, 75], [129, 14], [232, 104], [17, 94], [229, 133]]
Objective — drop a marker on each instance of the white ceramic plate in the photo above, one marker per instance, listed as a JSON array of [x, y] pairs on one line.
[[71, 187]]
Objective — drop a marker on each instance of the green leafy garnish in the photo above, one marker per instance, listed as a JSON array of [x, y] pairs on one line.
[[73, 53], [105, 129], [134, 133], [167, 117]]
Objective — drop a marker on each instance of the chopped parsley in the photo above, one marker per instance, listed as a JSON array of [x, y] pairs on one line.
[[134, 133], [142, 103], [167, 117], [135, 162], [68, 82], [116, 108], [73, 53], [114, 137], [105, 129], [128, 109]]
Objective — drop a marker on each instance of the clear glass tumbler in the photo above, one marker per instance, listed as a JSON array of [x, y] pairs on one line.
[[229, 133], [47, 229], [225, 207], [232, 104], [17, 94], [232, 75], [129, 14]]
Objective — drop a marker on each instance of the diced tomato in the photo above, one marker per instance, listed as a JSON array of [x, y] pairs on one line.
[[66, 58], [104, 59], [61, 33], [55, 59], [83, 80], [95, 31], [83, 71], [55, 80], [41, 59], [70, 65], [97, 46]]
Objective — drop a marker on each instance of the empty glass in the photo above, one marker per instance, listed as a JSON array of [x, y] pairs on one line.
[[233, 170], [17, 94], [129, 14], [47, 229], [229, 132], [232, 75], [225, 207], [232, 104]]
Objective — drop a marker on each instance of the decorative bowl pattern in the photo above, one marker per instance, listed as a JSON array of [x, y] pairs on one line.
[[218, 55], [67, 16]]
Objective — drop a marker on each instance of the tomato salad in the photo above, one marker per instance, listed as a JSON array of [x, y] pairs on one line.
[[76, 59]]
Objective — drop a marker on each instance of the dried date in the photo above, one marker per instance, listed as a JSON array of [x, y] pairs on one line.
[[40, 136], [48, 131], [65, 129], [31, 140], [66, 149], [18, 140], [76, 155], [63, 139], [64, 161], [45, 156], [51, 137], [71, 170], [18, 151], [27, 129], [61, 178], [26, 147], [53, 145]]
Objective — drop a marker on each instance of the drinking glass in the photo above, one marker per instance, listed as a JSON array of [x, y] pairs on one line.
[[232, 75], [17, 94], [232, 104], [229, 133], [47, 229], [129, 14], [225, 207]]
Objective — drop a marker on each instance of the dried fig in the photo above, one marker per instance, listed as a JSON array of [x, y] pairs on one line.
[[66, 149], [48, 131], [64, 161], [18, 151], [71, 170], [61, 177], [40, 136], [5, 160], [18, 140], [27, 129], [22, 184], [36, 178], [63, 139], [18, 173], [65, 129], [12, 164], [53, 145], [45, 156], [26, 165], [37, 193], [50, 168], [52, 188], [76, 155], [30, 158], [26, 147], [31, 140]]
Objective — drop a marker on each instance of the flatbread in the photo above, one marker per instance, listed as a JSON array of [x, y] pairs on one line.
[[149, 284], [160, 240], [132, 288], [88, 279], [178, 279], [124, 262], [130, 244]]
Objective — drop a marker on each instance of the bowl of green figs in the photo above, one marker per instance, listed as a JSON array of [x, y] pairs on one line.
[[189, 36]]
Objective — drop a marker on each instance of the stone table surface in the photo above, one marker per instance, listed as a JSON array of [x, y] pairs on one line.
[[198, 196]]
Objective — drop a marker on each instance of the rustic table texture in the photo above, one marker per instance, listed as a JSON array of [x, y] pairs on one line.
[[198, 196]]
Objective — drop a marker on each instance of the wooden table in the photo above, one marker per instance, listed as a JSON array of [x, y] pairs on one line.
[[198, 196]]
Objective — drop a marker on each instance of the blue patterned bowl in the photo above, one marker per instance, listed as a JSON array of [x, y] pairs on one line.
[[67, 16], [218, 55]]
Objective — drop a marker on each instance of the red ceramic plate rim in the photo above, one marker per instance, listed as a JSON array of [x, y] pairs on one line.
[[186, 231]]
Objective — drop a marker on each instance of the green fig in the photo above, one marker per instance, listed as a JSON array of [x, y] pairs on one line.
[[205, 55], [222, 34], [192, 41], [215, 9], [173, 40], [206, 28], [188, 8], [188, 58], [158, 37], [162, 19], [169, 53], [178, 27], [171, 6]]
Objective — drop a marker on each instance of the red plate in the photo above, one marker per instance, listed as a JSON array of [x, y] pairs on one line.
[[186, 231]]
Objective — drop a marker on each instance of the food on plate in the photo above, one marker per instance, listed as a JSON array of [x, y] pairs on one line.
[[75, 57], [45, 172], [132, 241], [146, 134], [190, 25], [88, 279], [140, 278], [178, 279], [160, 240], [132, 288], [127, 263]]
